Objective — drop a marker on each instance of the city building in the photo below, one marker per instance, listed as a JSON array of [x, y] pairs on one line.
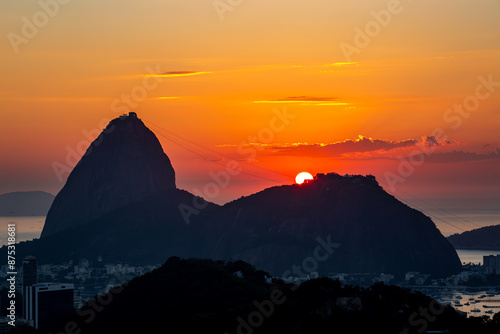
[[46, 303], [30, 276], [29, 271], [491, 264], [4, 325]]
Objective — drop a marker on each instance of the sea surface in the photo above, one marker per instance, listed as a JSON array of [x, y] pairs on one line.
[[474, 256], [27, 228], [475, 302]]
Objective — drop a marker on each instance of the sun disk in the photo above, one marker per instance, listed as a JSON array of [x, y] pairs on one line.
[[302, 177]]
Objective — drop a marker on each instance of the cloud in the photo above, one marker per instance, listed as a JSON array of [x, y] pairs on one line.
[[365, 148], [362, 148], [173, 74], [431, 141], [360, 145], [307, 100], [352, 63], [54, 99], [168, 97], [462, 156], [342, 148]]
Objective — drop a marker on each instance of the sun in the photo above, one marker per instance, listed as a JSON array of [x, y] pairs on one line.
[[301, 177]]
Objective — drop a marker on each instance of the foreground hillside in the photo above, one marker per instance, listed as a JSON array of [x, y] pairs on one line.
[[203, 296]]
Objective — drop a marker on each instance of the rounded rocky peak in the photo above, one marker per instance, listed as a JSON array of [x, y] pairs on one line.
[[124, 164]]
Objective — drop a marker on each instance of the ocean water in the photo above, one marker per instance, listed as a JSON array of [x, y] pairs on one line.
[[27, 228], [474, 256], [474, 302]]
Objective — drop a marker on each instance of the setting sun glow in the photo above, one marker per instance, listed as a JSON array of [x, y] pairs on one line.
[[301, 177]]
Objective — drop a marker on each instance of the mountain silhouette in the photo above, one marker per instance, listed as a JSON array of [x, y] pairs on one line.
[[126, 163], [120, 202], [486, 238], [372, 230]]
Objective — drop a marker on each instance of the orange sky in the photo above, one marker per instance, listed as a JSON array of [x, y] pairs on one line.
[[208, 77]]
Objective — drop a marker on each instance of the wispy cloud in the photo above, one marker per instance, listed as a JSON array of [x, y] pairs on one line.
[[352, 63], [54, 99], [173, 74], [462, 156], [168, 98], [307, 100]]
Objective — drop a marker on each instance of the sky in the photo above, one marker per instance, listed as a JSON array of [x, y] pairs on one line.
[[408, 91]]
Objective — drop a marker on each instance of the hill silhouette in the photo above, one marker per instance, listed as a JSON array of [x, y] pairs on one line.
[[486, 238], [374, 231], [196, 295]]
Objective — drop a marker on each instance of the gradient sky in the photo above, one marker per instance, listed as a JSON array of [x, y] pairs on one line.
[[217, 74]]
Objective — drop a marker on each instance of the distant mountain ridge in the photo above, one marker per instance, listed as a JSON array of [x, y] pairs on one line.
[[484, 238], [25, 203], [121, 202]]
